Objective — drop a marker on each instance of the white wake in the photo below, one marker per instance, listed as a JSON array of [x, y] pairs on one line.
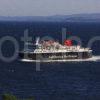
[[93, 59]]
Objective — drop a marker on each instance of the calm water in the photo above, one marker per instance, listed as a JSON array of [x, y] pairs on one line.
[[55, 81]]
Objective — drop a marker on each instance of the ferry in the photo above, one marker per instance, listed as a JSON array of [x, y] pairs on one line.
[[53, 50]]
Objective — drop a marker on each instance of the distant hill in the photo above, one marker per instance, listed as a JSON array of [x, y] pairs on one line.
[[56, 18]]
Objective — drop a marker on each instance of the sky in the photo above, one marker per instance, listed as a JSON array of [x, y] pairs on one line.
[[47, 7]]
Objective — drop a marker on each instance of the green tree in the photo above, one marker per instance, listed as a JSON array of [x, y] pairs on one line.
[[9, 97]]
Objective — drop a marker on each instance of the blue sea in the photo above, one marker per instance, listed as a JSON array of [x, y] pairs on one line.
[[55, 80]]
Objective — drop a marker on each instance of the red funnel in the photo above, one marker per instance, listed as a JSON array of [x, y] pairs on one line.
[[68, 42]]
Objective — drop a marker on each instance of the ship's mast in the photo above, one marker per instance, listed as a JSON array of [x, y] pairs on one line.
[[37, 41]]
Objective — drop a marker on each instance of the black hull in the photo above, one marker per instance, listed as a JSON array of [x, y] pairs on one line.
[[55, 56]]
